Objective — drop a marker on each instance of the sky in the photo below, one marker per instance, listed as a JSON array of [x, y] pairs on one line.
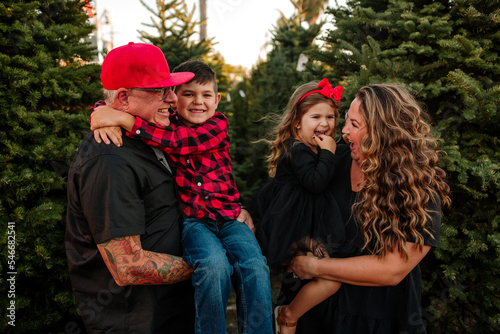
[[240, 27]]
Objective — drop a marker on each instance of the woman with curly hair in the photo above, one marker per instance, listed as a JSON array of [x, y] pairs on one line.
[[390, 191]]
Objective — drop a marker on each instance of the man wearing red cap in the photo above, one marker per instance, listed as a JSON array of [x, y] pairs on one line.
[[123, 223]]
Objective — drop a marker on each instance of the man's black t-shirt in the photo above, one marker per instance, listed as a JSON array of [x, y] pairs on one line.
[[115, 192]]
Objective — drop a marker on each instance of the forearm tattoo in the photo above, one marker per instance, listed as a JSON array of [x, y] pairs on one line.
[[131, 265]]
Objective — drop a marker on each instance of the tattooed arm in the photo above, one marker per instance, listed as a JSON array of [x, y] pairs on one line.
[[129, 264]]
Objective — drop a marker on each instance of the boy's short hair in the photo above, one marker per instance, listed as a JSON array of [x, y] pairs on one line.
[[202, 72]]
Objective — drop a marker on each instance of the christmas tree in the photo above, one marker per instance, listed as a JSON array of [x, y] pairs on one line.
[[447, 54], [47, 87], [176, 29], [260, 99]]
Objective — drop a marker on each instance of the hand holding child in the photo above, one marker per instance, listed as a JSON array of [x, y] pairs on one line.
[[305, 266], [246, 218]]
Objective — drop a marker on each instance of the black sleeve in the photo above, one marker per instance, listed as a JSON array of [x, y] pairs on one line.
[[111, 198], [314, 171], [434, 210], [433, 225]]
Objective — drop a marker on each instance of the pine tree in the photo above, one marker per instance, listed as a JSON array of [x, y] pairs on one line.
[[176, 28], [447, 54], [310, 10], [266, 93], [47, 87]]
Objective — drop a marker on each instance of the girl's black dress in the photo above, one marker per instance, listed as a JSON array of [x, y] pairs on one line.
[[297, 203]]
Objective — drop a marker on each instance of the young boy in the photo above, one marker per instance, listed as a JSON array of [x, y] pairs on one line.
[[216, 245]]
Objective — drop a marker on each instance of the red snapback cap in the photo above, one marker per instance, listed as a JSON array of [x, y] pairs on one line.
[[139, 65]]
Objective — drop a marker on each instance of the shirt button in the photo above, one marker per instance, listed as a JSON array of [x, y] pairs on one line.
[[199, 184], [206, 197], [187, 161], [138, 131]]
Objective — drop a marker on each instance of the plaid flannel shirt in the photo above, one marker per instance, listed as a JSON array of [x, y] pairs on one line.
[[200, 156]]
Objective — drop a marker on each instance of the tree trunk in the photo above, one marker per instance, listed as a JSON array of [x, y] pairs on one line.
[[203, 19]]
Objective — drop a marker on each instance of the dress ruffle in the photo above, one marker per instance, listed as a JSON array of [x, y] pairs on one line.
[[290, 214]]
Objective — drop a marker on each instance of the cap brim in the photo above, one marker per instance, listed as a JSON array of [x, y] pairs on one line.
[[175, 79]]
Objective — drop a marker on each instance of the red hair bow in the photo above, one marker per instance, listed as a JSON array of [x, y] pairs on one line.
[[326, 90]]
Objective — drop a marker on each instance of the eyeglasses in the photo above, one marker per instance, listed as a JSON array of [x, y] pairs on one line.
[[164, 91]]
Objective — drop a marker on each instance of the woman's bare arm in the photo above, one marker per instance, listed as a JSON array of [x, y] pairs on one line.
[[366, 270]]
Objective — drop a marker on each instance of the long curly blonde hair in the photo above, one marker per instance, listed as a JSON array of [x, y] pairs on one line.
[[401, 172], [287, 127]]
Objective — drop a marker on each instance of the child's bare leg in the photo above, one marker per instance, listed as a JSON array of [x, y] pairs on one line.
[[312, 293], [309, 296]]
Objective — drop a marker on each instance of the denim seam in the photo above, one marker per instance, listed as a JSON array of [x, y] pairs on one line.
[[236, 267], [236, 270]]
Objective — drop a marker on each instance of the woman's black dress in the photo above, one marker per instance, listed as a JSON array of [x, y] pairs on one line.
[[356, 309]]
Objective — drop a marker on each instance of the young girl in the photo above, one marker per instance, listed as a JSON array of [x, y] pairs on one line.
[[296, 211]]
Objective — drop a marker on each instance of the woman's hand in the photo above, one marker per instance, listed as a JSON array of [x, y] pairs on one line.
[[305, 266], [106, 134], [364, 270]]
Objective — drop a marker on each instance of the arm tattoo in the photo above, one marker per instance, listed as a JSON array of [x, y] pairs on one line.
[[131, 265]]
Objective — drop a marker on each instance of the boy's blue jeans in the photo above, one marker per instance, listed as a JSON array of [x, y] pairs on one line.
[[218, 252]]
